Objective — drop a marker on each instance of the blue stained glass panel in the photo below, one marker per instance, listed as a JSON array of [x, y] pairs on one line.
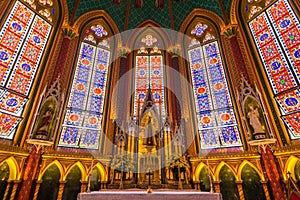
[[74, 117], [70, 136], [209, 138], [230, 136], [90, 139]]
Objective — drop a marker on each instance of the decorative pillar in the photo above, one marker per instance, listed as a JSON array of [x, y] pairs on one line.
[[9, 183], [270, 167], [240, 189], [61, 189], [217, 186], [69, 35], [230, 32], [84, 185], [266, 190], [30, 173], [14, 190], [175, 85], [37, 189], [272, 172]]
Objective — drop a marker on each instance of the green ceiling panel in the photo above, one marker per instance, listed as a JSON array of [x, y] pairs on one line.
[[148, 11]]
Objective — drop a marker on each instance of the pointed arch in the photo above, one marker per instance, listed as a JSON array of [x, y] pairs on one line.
[[14, 170], [240, 169], [84, 175], [58, 165], [198, 171], [103, 173], [218, 169], [290, 167]]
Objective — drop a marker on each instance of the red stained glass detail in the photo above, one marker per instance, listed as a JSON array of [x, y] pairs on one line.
[[213, 61], [218, 86], [5, 56], [293, 122], [80, 87], [225, 117], [270, 50], [7, 122], [205, 120], [259, 24], [19, 83], [101, 67], [197, 66], [201, 90], [12, 102], [10, 41], [42, 27], [22, 13], [278, 10], [97, 91], [291, 38], [93, 120], [31, 53], [74, 117], [85, 62]]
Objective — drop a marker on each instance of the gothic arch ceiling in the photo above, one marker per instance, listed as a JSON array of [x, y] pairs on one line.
[[148, 11]]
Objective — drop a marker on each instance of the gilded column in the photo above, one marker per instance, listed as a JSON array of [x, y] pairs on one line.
[[84, 185], [61, 190], [37, 189], [266, 190], [14, 190], [240, 189], [29, 173], [9, 183], [272, 172], [230, 33], [217, 186]]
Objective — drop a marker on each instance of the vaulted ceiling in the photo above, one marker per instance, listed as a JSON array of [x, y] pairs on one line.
[[149, 11]]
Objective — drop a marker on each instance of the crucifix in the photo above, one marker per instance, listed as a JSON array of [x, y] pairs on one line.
[[149, 177]]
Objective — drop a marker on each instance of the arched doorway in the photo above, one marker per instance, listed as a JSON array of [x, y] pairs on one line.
[[204, 179], [4, 175], [50, 184], [72, 187], [252, 187], [228, 186], [95, 179]]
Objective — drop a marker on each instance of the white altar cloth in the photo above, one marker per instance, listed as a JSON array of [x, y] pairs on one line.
[[156, 195]]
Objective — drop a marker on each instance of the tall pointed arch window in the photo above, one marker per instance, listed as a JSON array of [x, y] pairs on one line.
[[23, 39], [276, 32], [216, 120], [149, 73], [84, 113]]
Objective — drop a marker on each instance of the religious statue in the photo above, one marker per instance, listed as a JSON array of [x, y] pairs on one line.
[[43, 131], [254, 119]]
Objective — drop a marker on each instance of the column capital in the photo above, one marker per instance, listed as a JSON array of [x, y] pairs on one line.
[[239, 182], [174, 50], [69, 32], [229, 30], [123, 51]]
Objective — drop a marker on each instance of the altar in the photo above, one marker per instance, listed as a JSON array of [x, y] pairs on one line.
[[155, 195]]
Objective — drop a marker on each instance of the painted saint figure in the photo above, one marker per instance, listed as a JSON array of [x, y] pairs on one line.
[[42, 132], [254, 117]]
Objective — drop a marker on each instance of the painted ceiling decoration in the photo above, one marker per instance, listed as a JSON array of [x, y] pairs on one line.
[[158, 11]]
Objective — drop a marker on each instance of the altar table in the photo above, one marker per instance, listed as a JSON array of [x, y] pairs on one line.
[[156, 195]]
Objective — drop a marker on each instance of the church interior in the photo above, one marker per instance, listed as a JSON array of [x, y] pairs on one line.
[[100, 95]]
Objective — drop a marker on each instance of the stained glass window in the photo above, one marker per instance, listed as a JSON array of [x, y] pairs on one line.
[[276, 34], [217, 124], [83, 119], [149, 73], [23, 38]]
